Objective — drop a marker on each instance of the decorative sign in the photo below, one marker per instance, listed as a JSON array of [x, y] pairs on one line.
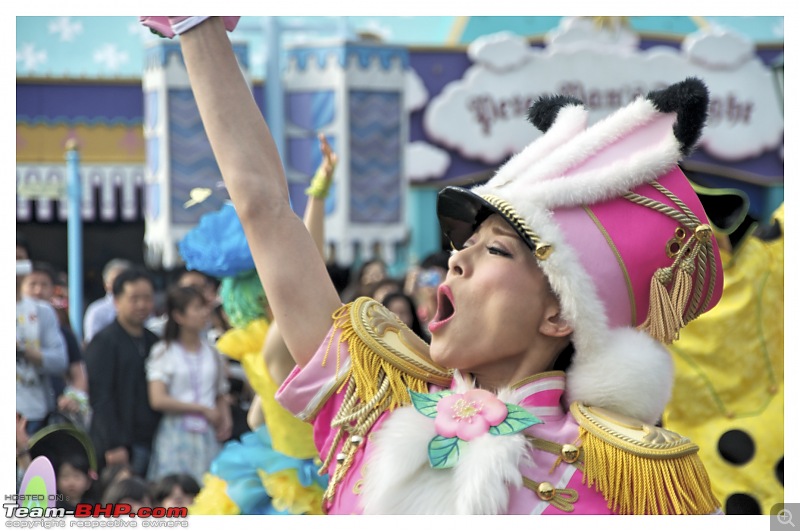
[[482, 115]]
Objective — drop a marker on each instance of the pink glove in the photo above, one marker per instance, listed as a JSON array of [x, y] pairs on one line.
[[170, 26]]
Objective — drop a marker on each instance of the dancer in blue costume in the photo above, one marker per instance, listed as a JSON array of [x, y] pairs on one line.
[[273, 468]]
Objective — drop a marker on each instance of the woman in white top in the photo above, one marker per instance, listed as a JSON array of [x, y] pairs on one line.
[[186, 382]]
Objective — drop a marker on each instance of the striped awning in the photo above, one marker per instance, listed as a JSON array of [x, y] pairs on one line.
[[110, 193]]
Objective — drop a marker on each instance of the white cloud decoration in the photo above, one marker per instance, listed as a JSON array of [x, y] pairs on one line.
[[31, 57], [424, 161], [65, 28], [583, 32], [717, 47], [110, 57], [415, 94], [499, 51]]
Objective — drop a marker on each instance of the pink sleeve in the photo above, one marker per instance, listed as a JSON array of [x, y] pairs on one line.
[[311, 394]]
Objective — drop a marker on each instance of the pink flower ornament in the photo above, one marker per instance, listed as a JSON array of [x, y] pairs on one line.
[[469, 415], [461, 417]]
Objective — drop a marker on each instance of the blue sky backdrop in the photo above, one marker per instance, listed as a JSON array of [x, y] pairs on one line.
[[109, 47]]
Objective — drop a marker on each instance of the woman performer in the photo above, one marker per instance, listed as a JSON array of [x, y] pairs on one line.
[[546, 373]]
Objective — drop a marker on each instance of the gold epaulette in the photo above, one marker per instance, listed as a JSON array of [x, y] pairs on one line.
[[386, 361], [640, 468], [381, 345]]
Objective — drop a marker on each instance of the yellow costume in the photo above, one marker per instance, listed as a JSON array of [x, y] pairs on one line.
[[273, 470], [728, 393]]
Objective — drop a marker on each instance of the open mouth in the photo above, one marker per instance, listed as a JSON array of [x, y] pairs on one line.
[[445, 308]]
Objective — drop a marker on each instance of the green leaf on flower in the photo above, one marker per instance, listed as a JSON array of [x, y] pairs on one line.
[[443, 452], [517, 420], [426, 403]]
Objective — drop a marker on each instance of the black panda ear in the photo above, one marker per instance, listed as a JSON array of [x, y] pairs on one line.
[[543, 112], [689, 99]]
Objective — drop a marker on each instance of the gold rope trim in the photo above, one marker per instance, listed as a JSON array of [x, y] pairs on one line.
[[674, 296], [373, 386], [541, 249], [634, 484], [555, 449]]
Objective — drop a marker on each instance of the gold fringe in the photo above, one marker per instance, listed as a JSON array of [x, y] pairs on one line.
[[373, 386], [635, 484]]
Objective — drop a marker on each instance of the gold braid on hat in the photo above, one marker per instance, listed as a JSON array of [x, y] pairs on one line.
[[671, 287], [541, 250]]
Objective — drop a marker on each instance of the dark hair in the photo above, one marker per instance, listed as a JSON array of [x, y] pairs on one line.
[[133, 487], [207, 280], [115, 264], [219, 312], [438, 259], [416, 325], [339, 275], [77, 460], [47, 269], [178, 299], [109, 474], [564, 359], [131, 274], [163, 487], [388, 281]]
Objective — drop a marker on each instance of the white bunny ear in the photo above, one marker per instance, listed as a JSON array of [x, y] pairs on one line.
[[560, 118], [629, 148]]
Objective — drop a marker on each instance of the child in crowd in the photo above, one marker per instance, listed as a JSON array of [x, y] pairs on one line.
[[75, 480], [187, 383]]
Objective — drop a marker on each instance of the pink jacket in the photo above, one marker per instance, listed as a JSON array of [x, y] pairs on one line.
[[538, 471]]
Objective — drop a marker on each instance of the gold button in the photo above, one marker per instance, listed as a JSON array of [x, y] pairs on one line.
[[546, 491], [569, 453]]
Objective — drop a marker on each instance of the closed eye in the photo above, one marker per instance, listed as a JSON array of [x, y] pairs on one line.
[[497, 251]]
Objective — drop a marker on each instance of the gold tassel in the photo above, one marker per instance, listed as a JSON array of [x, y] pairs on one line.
[[662, 322], [681, 291], [634, 484]]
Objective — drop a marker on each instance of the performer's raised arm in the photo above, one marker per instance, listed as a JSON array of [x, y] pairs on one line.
[[295, 280]]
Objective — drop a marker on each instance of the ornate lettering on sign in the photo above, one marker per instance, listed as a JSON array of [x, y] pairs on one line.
[[488, 110], [606, 100], [730, 109]]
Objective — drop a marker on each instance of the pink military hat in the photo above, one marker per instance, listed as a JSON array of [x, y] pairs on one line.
[[619, 232]]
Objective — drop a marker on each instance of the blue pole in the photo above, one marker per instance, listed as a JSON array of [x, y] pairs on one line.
[[74, 241], [274, 86]]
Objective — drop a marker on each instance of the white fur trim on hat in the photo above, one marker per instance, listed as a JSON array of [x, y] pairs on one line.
[[632, 374]]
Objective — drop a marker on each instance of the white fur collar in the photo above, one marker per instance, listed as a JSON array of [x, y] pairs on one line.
[[398, 478]]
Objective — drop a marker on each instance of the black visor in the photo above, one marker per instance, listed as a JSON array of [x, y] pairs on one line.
[[461, 212]]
